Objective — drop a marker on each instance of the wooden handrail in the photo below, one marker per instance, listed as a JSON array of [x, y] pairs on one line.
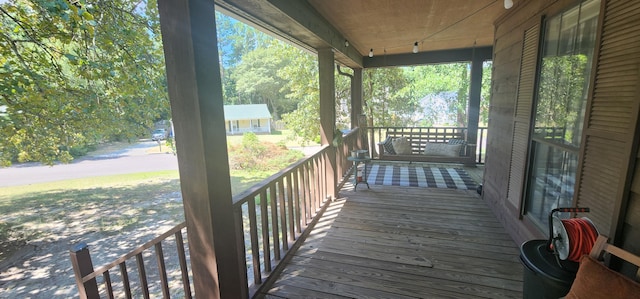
[[288, 202], [135, 252], [86, 275]]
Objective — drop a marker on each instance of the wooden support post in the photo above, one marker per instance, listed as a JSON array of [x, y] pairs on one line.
[[195, 91], [474, 102], [82, 266], [356, 97], [357, 112], [326, 62]]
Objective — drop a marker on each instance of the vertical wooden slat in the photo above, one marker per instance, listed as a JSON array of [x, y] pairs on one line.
[[291, 218], [314, 185], [255, 248], [142, 273], [240, 237], [183, 264], [297, 202], [307, 194], [275, 229], [264, 217], [323, 175], [282, 200], [125, 280], [162, 270], [107, 284]]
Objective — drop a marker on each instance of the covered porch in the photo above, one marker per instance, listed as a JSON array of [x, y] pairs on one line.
[[363, 243]]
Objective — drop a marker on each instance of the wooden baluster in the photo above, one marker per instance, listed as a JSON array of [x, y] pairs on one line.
[[290, 195], [255, 248], [275, 229], [297, 202], [307, 194], [82, 266], [182, 258], [283, 214], [125, 280], [313, 188], [162, 270], [142, 272], [107, 284], [264, 217]]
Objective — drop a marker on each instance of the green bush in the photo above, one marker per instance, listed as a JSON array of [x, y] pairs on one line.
[[253, 155]]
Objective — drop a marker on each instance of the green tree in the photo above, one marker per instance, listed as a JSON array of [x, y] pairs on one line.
[[257, 77], [74, 74], [235, 39], [386, 100]]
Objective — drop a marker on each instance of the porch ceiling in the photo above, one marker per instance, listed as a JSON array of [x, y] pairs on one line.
[[388, 27]]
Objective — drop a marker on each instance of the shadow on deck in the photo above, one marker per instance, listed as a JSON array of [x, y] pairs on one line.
[[404, 242]]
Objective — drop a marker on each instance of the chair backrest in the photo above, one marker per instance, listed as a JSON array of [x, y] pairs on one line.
[[601, 246]]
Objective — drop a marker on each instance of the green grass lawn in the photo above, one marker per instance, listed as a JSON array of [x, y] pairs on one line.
[[109, 205]]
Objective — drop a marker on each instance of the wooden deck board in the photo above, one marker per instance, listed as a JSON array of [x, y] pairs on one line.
[[403, 242]]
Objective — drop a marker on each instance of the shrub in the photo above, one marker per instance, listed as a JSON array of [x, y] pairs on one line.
[[253, 155]]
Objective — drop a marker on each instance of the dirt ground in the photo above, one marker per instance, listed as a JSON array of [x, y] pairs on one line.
[[42, 268]]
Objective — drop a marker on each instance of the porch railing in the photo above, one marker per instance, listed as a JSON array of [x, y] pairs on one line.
[[87, 277], [378, 134], [270, 218]]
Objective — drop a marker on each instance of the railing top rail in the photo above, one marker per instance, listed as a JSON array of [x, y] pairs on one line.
[[259, 187], [135, 252]]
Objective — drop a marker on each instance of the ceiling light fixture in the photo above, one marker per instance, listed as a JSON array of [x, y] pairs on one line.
[[415, 48], [508, 4], [371, 53]]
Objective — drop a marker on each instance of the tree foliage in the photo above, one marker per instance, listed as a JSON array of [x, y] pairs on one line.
[[74, 73]]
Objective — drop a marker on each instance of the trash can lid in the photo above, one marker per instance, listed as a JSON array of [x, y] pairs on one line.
[[535, 256]]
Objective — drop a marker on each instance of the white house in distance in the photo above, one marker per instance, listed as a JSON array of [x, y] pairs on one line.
[[240, 119]]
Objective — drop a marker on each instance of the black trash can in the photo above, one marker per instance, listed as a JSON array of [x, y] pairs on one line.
[[543, 277]]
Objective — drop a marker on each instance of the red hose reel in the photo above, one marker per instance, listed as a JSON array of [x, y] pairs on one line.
[[569, 239]]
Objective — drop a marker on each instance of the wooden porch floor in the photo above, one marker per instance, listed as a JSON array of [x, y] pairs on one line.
[[403, 242]]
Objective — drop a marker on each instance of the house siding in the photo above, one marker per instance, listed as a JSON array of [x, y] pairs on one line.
[[609, 157]]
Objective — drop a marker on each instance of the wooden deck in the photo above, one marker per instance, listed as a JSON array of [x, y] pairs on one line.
[[403, 242]]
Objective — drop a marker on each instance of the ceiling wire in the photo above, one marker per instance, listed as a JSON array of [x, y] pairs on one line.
[[421, 41]]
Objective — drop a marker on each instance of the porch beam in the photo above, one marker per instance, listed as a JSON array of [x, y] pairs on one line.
[[304, 15], [327, 80], [296, 22], [430, 57], [195, 93]]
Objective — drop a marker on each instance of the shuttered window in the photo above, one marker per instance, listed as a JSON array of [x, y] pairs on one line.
[[612, 117], [522, 116], [567, 52]]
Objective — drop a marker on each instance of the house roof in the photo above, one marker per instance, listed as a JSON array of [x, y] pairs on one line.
[[252, 111]]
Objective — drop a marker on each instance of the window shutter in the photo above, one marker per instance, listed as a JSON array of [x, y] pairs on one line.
[[522, 115], [611, 116]]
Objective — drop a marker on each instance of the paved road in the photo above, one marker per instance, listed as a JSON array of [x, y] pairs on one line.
[[130, 160]]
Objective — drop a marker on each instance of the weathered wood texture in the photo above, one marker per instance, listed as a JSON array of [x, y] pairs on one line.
[[522, 116], [195, 92], [611, 127], [398, 242]]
